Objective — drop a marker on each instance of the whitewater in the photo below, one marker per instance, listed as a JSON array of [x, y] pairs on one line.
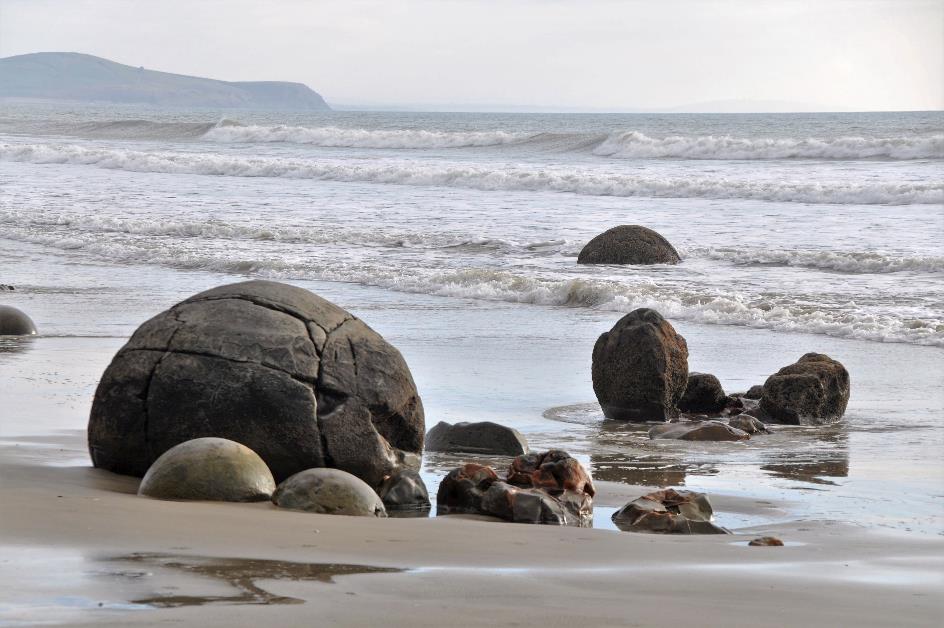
[[821, 224]]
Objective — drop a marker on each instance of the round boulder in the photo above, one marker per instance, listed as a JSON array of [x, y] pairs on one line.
[[755, 392], [484, 437], [640, 368], [404, 491], [211, 469], [703, 394], [812, 391], [329, 492], [292, 376], [628, 244], [14, 322]]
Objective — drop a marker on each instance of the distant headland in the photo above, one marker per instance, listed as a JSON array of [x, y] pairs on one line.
[[85, 78]]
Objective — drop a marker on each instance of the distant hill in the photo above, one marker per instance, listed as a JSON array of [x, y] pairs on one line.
[[80, 77]]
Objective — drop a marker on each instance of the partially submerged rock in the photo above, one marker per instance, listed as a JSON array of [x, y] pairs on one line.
[[296, 378], [703, 393], [668, 512], [766, 541], [754, 392], [640, 368], [748, 423], [546, 488], [812, 391], [14, 322], [628, 244], [698, 430], [5, 287], [329, 492], [404, 490], [484, 437], [212, 469]]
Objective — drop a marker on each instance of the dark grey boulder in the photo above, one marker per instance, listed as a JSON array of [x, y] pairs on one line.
[[404, 491], [484, 437], [703, 394], [292, 376], [14, 322], [698, 430], [748, 423], [668, 512], [812, 391], [329, 492], [754, 392], [212, 469], [628, 244], [640, 368]]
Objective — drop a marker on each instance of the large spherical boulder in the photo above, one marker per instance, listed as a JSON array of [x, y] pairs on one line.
[[628, 244], [640, 368], [292, 376], [484, 437], [329, 492], [703, 394], [213, 469], [814, 390], [14, 322]]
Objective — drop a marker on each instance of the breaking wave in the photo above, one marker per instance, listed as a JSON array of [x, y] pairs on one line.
[[359, 138], [478, 177], [636, 145], [853, 262]]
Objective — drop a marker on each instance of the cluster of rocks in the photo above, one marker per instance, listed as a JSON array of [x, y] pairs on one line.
[[546, 488]]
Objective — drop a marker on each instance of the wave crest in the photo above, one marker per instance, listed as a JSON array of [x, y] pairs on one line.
[[359, 138]]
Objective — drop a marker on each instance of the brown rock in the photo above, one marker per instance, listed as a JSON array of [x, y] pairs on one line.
[[812, 391], [766, 541], [668, 512], [628, 244], [703, 393]]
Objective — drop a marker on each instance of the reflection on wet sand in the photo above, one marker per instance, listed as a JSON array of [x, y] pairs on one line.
[[241, 574], [16, 344]]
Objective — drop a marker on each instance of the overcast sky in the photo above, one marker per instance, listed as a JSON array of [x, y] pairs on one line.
[[593, 54]]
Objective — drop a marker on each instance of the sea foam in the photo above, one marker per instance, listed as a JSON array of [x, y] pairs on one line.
[[358, 138]]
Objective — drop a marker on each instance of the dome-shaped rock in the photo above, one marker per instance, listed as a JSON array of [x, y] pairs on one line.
[[14, 322], [628, 244], [640, 368], [329, 492], [484, 437], [404, 491], [213, 469], [813, 390], [703, 394], [292, 376]]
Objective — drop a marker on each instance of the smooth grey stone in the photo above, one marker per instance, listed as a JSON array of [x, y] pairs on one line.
[[698, 430], [329, 492], [14, 322]]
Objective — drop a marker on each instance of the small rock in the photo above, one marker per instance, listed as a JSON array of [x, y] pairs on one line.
[[14, 322], [404, 490], [755, 392], [812, 391], [462, 489], [766, 541], [628, 244], [212, 469], [668, 512], [640, 368], [481, 438], [5, 287], [748, 423], [703, 393], [698, 430], [329, 492]]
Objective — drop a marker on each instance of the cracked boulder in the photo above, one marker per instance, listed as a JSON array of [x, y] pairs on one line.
[[668, 512], [295, 378]]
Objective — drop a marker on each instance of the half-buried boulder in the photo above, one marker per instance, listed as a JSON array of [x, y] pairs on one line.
[[329, 492], [703, 394], [668, 512], [812, 391], [748, 423], [479, 438], [628, 244], [14, 322], [640, 368], [698, 430], [404, 491], [292, 376], [212, 469]]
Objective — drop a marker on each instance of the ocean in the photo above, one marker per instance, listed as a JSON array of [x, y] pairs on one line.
[[456, 236]]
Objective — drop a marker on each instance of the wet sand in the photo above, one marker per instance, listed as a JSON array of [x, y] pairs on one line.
[[81, 548]]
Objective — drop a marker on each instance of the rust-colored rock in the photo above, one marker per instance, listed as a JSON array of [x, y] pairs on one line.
[[668, 512], [554, 471], [766, 541], [461, 491]]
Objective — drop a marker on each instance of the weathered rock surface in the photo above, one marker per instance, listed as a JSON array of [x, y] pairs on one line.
[[669, 512], [698, 430], [14, 322], [640, 368], [766, 541], [329, 492], [814, 390], [481, 438], [748, 423], [546, 488], [628, 244], [755, 392], [214, 469], [703, 393], [404, 490], [294, 377]]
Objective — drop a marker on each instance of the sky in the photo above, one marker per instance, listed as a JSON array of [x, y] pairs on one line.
[[505, 54]]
